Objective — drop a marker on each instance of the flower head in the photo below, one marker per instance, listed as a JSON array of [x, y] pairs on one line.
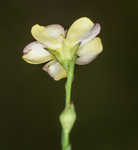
[[57, 47]]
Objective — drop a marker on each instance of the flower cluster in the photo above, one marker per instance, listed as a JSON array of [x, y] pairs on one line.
[[56, 46]]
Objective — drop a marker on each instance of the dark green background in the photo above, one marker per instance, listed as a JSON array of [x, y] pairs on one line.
[[105, 92]]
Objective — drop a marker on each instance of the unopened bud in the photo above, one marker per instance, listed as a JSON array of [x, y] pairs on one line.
[[68, 118]]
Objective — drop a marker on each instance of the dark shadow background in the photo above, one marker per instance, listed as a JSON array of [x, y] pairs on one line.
[[105, 92]]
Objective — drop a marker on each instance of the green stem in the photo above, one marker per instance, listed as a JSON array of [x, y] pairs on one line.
[[70, 74], [65, 140], [68, 116], [68, 86]]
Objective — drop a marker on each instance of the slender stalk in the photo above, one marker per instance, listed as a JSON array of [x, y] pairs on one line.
[[68, 86], [65, 140], [68, 116]]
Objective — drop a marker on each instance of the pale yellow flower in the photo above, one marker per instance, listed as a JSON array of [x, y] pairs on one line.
[[54, 46]]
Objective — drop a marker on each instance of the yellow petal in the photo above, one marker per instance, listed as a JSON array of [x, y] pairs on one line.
[[92, 47], [55, 70], [51, 36], [79, 29], [95, 30], [89, 51], [85, 59], [34, 53]]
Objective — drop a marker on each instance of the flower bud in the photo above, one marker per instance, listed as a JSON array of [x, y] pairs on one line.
[[68, 118]]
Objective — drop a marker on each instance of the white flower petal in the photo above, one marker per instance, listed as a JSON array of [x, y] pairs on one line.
[[92, 47], [51, 36], [86, 59], [89, 51], [95, 30], [34, 53], [78, 30], [55, 70], [56, 31]]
